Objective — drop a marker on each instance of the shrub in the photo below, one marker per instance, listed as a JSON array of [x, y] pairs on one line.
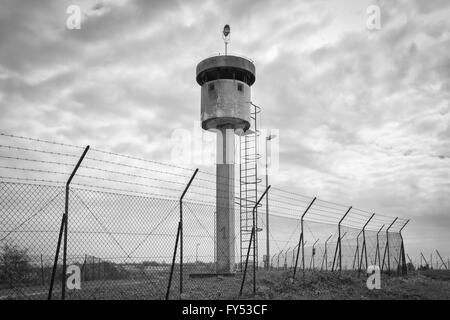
[[15, 266]]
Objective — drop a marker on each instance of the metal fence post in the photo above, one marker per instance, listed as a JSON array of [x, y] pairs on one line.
[[179, 238], [364, 247], [313, 253], [63, 230], [409, 259], [93, 268], [386, 249], [285, 258], [377, 249], [252, 238], [293, 255], [173, 261], [356, 255], [278, 259], [181, 229], [246, 261], [442, 260], [425, 260], [42, 271], [301, 242], [338, 243], [325, 255], [402, 252], [83, 275]]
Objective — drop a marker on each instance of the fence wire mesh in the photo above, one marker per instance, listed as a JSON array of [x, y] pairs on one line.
[[123, 223]]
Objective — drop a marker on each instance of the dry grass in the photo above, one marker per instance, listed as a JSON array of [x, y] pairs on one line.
[[432, 284], [326, 285]]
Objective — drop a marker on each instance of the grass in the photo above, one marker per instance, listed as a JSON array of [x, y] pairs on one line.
[[348, 286], [431, 284], [327, 285]]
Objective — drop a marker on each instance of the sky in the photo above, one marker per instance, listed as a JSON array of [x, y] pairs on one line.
[[362, 116]]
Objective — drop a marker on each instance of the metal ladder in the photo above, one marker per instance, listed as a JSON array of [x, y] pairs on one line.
[[248, 187]]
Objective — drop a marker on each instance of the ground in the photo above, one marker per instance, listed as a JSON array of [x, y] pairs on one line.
[[431, 284], [424, 285]]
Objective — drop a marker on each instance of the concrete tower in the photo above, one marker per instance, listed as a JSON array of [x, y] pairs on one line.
[[225, 108]]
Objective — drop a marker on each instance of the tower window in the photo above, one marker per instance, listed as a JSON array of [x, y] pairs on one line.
[[240, 87], [211, 87]]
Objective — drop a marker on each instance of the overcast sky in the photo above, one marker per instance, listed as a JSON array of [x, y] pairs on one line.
[[363, 116]]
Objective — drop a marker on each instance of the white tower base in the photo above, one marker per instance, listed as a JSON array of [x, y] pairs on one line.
[[225, 255]]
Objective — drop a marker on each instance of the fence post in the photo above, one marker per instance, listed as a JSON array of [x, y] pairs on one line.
[[179, 238], [377, 250], [293, 255], [364, 247], [410, 261], [402, 252], [93, 268], [246, 261], [83, 275], [42, 271], [301, 243], [325, 255], [442, 260], [431, 261], [425, 260], [285, 258], [63, 230], [313, 253], [278, 259], [338, 243], [181, 229], [386, 249], [356, 255], [173, 261], [252, 238]]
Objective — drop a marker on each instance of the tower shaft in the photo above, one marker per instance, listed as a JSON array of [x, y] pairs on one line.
[[225, 200]]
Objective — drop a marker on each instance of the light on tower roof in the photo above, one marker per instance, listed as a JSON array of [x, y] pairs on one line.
[[226, 36], [226, 30]]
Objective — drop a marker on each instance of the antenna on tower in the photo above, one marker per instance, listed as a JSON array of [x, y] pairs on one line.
[[226, 36]]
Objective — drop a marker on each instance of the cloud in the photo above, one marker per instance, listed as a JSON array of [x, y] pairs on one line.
[[363, 115]]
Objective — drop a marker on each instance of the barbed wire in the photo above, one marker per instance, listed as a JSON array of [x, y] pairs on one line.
[[63, 154], [32, 180], [40, 140], [141, 159], [109, 171], [327, 210]]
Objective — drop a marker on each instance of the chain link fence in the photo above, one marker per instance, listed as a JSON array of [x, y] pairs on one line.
[[118, 223]]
